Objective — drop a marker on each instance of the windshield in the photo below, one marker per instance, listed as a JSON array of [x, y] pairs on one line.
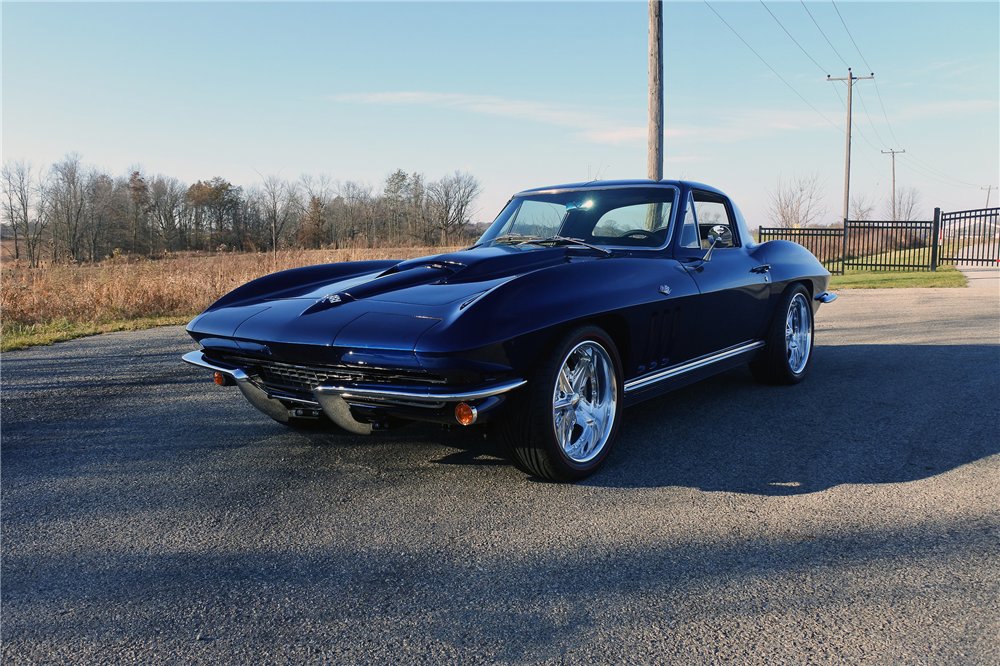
[[626, 217]]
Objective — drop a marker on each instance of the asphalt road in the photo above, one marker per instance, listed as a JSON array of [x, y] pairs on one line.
[[149, 516]]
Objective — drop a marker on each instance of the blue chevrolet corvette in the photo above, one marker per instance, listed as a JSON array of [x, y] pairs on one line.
[[578, 301]]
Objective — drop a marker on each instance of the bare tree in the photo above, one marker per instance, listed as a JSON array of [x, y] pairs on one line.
[[315, 212], [106, 207], [351, 217], [797, 202], [311, 234], [22, 209], [166, 207], [450, 200], [278, 202], [65, 204], [862, 207], [907, 204]]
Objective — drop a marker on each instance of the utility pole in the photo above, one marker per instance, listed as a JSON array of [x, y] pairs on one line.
[[894, 153], [850, 78], [988, 190], [654, 156]]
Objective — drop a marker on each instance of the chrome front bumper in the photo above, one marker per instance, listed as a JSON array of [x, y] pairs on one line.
[[336, 401]]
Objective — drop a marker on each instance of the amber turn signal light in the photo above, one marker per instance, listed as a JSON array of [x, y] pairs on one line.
[[465, 413], [220, 379]]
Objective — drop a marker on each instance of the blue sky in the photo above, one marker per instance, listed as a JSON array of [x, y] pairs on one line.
[[520, 94]]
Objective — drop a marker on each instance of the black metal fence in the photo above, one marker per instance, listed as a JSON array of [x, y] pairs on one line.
[[887, 246], [966, 237]]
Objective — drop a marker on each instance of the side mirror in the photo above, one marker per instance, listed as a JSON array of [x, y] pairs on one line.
[[719, 235]]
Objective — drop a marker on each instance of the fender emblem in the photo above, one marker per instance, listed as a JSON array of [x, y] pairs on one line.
[[330, 298], [664, 289]]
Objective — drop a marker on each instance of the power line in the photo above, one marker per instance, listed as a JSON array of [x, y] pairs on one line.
[[824, 35], [923, 171], [851, 36], [861, 134], [891, 133], [938, 171], [769, 66], [792, 38], [886, 115], [912, 167], [868, 115]]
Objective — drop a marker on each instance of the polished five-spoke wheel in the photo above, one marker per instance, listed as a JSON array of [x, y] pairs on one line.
[[798, 332], [563, 425], [788, 342], [585, 402]]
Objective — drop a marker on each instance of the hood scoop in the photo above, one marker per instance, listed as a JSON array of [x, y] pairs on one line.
[[392, 280]]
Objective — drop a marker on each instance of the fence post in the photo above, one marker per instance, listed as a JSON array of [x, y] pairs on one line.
[[843, 251], [935, 232]]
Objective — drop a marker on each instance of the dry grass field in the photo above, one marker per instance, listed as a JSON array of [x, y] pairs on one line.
[[59, 302]]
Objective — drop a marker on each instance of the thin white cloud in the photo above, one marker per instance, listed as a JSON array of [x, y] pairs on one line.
[[595, 128]]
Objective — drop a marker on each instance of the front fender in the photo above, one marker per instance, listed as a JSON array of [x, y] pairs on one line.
[[282, 283]]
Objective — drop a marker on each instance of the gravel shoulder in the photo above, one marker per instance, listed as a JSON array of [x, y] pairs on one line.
[[150, 517]]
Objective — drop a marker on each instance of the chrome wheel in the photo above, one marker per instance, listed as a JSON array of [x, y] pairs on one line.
[[584, 402], [798, 333]]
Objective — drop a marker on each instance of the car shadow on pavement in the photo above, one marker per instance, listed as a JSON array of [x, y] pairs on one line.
[[865, 414]]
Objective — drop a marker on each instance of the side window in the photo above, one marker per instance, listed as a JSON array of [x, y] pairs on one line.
[[689, 230], [712, 211]]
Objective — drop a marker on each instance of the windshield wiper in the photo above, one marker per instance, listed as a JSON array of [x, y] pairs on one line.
[[516, 238], [506, 238], [565, 239]]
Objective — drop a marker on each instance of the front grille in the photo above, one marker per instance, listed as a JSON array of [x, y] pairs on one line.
[[303, 378]]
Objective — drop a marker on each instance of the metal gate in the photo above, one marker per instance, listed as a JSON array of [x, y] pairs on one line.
[[969, 237]]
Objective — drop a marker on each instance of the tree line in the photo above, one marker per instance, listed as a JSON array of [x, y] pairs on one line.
[[72, 212]]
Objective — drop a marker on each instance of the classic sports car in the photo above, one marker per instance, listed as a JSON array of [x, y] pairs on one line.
[[578, 301]]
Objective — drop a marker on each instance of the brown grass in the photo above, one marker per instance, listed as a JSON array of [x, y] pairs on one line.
[[109, 295]]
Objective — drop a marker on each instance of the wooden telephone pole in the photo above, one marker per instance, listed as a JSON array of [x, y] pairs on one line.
[[850, 78], [654, 156], [893, 153]]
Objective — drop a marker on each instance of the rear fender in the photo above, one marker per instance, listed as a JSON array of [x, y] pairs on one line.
[[790, 263]]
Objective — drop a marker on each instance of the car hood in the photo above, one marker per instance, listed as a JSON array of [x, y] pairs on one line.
[[388, 309]]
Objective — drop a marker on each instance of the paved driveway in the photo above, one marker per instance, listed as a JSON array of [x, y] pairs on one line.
[[151, 517]]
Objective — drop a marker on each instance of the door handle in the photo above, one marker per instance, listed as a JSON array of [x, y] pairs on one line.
[[763, 268]]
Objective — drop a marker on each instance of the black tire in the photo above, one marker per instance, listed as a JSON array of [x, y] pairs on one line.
[[789, 340], [579, 379]]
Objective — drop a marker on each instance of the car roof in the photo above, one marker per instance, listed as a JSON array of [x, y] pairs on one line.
[[620, 184]]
